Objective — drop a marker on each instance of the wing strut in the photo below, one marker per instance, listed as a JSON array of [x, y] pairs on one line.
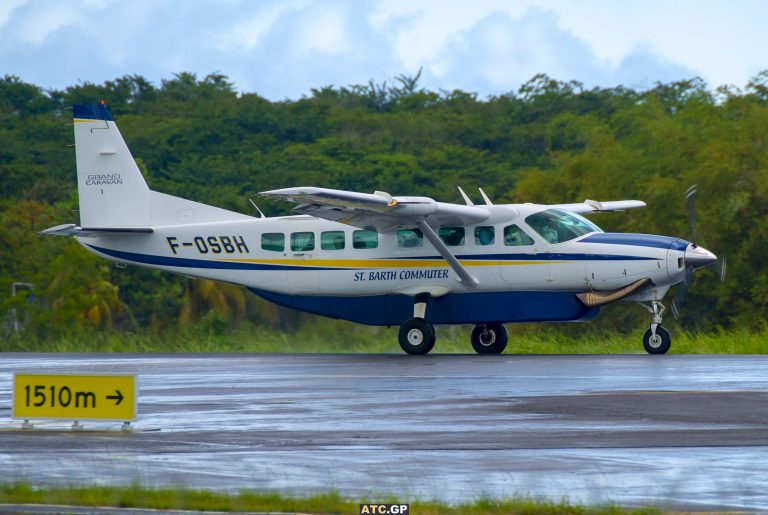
[[466, 279]]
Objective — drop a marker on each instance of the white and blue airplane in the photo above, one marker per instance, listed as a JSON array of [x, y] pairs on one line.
[[379, 259]]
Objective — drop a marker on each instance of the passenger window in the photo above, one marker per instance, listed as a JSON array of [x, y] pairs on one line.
[[302, 241], [410, 238], [515, 237], [273, 241], [332, 240], [365, 239], [485, 235], [452, 236]]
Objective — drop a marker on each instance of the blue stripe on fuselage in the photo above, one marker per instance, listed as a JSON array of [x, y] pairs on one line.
[[543, 256], [637, 240]]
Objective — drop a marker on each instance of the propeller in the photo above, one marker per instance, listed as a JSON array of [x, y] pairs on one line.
[[690, 200], [695, 256]]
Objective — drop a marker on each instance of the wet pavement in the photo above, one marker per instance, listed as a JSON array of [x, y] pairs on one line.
[[681, 432]]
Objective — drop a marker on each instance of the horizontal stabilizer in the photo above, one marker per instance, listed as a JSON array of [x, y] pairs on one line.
[[73, 230], [594, 299]]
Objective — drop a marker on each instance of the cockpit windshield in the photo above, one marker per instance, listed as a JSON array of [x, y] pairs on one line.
[[557, 226]]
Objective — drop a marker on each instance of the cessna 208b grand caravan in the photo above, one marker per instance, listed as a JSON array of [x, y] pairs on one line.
[[379, 259]]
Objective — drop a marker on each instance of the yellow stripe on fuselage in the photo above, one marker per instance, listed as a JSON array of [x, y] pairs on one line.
[[385, 263]]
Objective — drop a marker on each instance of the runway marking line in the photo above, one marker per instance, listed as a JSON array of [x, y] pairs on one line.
[[669, 392]]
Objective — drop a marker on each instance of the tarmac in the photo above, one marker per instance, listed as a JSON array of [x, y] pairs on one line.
[[679, 432]]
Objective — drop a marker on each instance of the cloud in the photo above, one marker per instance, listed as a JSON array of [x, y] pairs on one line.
[[283, 49], [642, 68], [499, 53], [330, 43], [249, 33], [35, 24], [6, 8]]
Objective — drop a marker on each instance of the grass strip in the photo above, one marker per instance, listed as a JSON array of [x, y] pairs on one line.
[[344, 337], [136, 496]]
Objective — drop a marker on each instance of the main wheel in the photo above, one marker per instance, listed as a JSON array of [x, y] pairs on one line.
[[416, 336], [658, 344], [489, 338]]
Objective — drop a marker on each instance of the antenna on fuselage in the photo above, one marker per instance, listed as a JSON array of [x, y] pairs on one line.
[[466, 198], [485, 197], [256, 207]]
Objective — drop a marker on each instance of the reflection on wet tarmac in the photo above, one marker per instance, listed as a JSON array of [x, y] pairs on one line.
[[683, 431]]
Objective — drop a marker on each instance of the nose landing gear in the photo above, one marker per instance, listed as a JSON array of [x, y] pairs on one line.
[[656, 339]]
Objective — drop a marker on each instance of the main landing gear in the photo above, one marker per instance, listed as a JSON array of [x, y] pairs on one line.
[[417, 336], [656, 339], [489, 338]]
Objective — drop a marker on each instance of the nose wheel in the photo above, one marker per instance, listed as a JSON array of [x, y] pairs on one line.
[[656, 339], [658, 343]]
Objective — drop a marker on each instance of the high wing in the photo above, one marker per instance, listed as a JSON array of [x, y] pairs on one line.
[[380, 211], [384, 213], [593, 206]]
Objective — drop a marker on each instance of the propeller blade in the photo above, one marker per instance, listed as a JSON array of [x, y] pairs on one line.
[[690, 198], [721, 265], [695, 256], [675, 309], [682, 291]]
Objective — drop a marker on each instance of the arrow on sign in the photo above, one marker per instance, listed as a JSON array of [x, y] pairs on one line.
[[118, 397]]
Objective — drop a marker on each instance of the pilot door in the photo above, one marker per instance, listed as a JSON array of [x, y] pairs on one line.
[[525, 265]]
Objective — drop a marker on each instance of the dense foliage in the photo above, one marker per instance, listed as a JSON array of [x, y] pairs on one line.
[[549, 142]]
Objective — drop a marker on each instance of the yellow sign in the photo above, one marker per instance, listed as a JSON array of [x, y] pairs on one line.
[[74, 397]]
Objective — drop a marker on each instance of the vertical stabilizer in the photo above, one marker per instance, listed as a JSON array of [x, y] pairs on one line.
[[112, 191]]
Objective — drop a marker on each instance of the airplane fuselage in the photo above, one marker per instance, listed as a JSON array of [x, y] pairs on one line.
[[292, 259]]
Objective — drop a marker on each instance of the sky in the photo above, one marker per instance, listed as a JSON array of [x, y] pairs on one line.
[[283, 49]]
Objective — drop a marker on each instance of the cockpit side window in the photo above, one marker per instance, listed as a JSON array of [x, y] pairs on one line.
[[515, 237], [557, 226]]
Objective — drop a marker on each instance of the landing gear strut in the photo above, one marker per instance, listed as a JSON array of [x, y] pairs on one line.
[[489, 338], [656, 340]]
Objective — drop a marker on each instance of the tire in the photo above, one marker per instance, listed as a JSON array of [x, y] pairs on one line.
[[661, 344], [489, 338], [416, 336]]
